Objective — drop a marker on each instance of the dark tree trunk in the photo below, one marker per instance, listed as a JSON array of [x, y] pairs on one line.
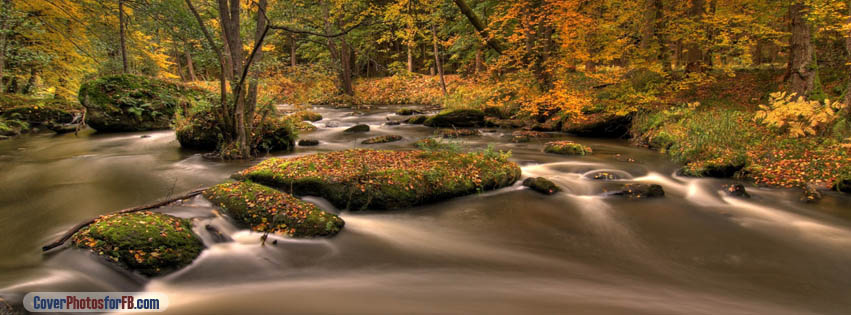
[[4, 23], [694, 58], [293, 60], [479, 26], [801, 70], [410, 59], [121, 27]]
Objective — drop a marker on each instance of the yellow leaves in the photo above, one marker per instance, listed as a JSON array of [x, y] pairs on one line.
[[797, 116]]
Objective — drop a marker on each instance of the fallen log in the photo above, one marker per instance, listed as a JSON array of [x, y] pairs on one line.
[[157, 204]]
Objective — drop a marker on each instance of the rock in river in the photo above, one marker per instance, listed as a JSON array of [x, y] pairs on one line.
[[360, 179], [148, 242], [265, 209], [541, 185]]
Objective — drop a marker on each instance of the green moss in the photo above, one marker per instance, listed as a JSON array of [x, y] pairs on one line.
[[566, 148], [267, 210], [382, 139], [308, 115], [150, 243], [136, 103], [201, 130], [417, 120], [357, 179], [457, 133], [407, 112]]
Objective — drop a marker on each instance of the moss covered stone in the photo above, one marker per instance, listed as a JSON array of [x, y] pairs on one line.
[[461, 118], [843, 184], [640, 191], [135, 103], [407, 112], [541, 185], [308, 115], [718, 168], [265, 209], [567, 148], [148, 242], [382, 139], [357, 179], [417, 120], [200, 130], [308, 142], [357, 129]]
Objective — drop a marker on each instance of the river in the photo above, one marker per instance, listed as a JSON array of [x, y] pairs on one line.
[[510, 251]]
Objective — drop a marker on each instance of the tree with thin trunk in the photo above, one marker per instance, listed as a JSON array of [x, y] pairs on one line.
[[121, 27], [5, 16], [189, 64], [437, 62]]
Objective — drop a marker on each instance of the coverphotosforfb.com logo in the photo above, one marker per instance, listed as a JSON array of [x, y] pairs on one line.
[[37, 302]]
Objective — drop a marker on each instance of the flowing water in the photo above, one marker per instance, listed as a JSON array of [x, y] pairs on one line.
[[509, 251]]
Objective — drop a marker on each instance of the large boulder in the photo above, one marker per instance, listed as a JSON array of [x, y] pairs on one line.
[[148, 242], [357, 179], [461, 118], [134, 103], [200, 131], [599, 125], [264, 209]]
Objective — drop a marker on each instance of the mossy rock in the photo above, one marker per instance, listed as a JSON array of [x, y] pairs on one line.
[[567, 148], [39, 115], [308, 142], [148, 242], [417, 120], [308, 115], [357, 129], [407, 112], [843, 184], [640, 191], [135, 103], [712, 168], [541, 185], [201, 131], [265, 209], [736, 190], [503, 123], [461, 118], [599, 125], [457, 133], [661, 141], [357, 179], [382, 139]]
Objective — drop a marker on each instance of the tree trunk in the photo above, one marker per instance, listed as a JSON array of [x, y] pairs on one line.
[[848, 51], [4, 23], [694, 52], [28, 87], [292, 52], [410, 59], [493, 43], [229, 13], [801, 70], [251, 97], [478, 65], [189, 64], [121, 35], [346, 63], [437, 62]]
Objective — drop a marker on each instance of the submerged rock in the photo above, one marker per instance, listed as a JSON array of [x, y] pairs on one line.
[[382, 139], [357, 128], [810, 194], [148, 242], [308, 142], [640, 191], [135, 103], [736, 190], [457, 133], [567, 148], [541, 185], [265, 209], [357, 179], [461, 118]]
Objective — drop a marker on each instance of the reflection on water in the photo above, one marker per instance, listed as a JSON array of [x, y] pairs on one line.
[[511, 251]]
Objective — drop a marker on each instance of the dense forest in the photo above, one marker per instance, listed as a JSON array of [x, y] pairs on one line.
[[745, 87]]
